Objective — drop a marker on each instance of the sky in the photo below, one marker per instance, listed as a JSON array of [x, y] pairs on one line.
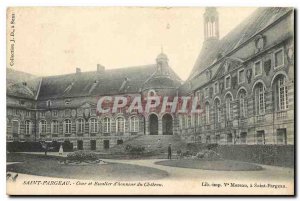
[[53, 41]]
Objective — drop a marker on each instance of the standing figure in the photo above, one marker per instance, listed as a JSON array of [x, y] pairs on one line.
[[61, 150], [169, 152]]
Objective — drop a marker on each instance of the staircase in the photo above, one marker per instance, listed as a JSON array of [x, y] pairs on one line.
[[156, 144]]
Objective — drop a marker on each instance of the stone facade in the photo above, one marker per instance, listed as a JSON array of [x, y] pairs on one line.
[[245, 83], [248, 96]]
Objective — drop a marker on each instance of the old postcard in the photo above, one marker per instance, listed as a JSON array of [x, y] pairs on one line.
[[150, 101]]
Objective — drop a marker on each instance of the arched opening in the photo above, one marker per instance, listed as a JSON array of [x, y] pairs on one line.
[[167, 124], [153, 124]]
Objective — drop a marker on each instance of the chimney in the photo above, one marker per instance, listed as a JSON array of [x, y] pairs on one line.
[[100, 68], [78, 70]]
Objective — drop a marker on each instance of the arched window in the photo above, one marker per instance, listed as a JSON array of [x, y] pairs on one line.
[[106, 125], [281, 93], [67, 126], [218, 110], [228, 102], [80, 125], [54, 127], [93, 125], [260, 99], [207, 113], [134, 124], [43, 126], [243, 103], [27, 127], [120, 125]]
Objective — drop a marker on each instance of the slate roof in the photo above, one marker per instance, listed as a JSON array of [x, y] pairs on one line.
[[158, 82], [213, 50], [20, 84], [109, 82]]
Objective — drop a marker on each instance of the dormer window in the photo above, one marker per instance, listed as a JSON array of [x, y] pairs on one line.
[[151, 93], [67, 102], [21, 102], [49, 103]]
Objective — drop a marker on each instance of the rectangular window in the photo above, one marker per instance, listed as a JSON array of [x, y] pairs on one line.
[[106, 125], [216, 88], [281, 136], [279, 58], [257, 68], [42, 114], [260, 137], [228, 82], [229, 138], [243, 138], [27, 127], [241, 76], [55, 127]]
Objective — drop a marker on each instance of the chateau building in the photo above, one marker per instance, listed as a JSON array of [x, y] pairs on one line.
[[244, 81]]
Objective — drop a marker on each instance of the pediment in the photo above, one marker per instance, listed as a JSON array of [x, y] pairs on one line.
[[227, 65], [88, 105]]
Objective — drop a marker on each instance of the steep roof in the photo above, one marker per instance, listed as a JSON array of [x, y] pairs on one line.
[[13, 76], [28, 89], [22, 85], [213, 50], [108, 82]]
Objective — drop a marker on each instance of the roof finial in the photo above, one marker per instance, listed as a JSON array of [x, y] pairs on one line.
[[162, 49]]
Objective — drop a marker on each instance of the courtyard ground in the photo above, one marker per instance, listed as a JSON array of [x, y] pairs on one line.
[[138, 169]]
